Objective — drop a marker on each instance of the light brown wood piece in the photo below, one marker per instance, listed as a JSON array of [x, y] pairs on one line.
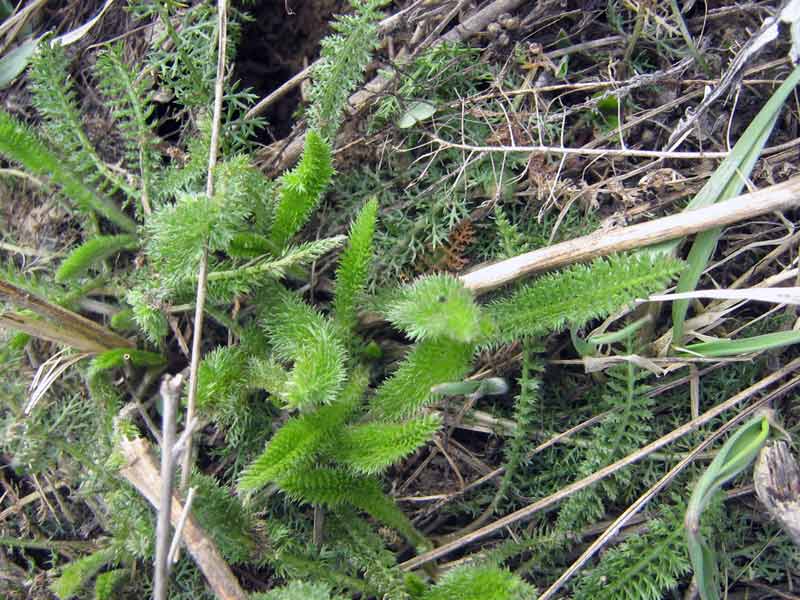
[[142, 471], [777, 481], [602, 243], [88, 335]]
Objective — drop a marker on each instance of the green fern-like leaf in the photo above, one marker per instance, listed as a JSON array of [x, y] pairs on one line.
[[183, 177], [222, 380], [437, 307], [299, 590], [626, 429], [336, 487], [365, 552], [92, 251], [297, 442], [223, 517], [145, 306], [527, 407], [645, 566], [327, 486], [511, 239], [130, 97], [351, 277], [319, 370], [371, 448], [55, 99], [20, 144], [430, 363], [301, 189], [267, 374], [106, 584], [249, 245], [343, 59], [77, 573], [179, 232], [227, 283], [579, 294], [478, 583], [302, 335]]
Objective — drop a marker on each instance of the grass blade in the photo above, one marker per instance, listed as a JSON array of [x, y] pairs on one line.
[[726, 182]]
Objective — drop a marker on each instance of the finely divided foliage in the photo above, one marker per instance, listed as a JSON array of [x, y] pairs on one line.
[[578, 294], [339, 420]]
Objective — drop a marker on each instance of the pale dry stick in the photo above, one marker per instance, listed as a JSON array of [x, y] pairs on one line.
[[35, 252], [172, 555], [141, 470], [20, 503], [527, 511], [718, 309], [22, 15], [442, 24], [767, 33], [621, 521], [202, 276], [582, 151], [772, 591], [602, 243], [171, 396]]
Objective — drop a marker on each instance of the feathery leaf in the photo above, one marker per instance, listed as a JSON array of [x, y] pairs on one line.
[[301, 189], [469, 582], [20, 144], [430, 363], [435, 307], [92, 251], [369, 449], [351, 276], [579, 294]]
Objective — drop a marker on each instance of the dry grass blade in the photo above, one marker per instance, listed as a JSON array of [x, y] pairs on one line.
[[87, 335], [202, 275], [784, 295], [567, 491], [47, 374], [620, 522]]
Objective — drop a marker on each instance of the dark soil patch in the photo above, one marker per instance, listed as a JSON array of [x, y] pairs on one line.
[[282, 38]]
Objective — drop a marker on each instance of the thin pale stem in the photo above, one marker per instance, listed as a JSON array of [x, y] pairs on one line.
[[170, 394], [202, 275], [527, 511], [621, 521]]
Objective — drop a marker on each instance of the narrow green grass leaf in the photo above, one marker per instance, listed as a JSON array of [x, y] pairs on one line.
[[14, 62], [726, 182], [758, 343], [734, 456]]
